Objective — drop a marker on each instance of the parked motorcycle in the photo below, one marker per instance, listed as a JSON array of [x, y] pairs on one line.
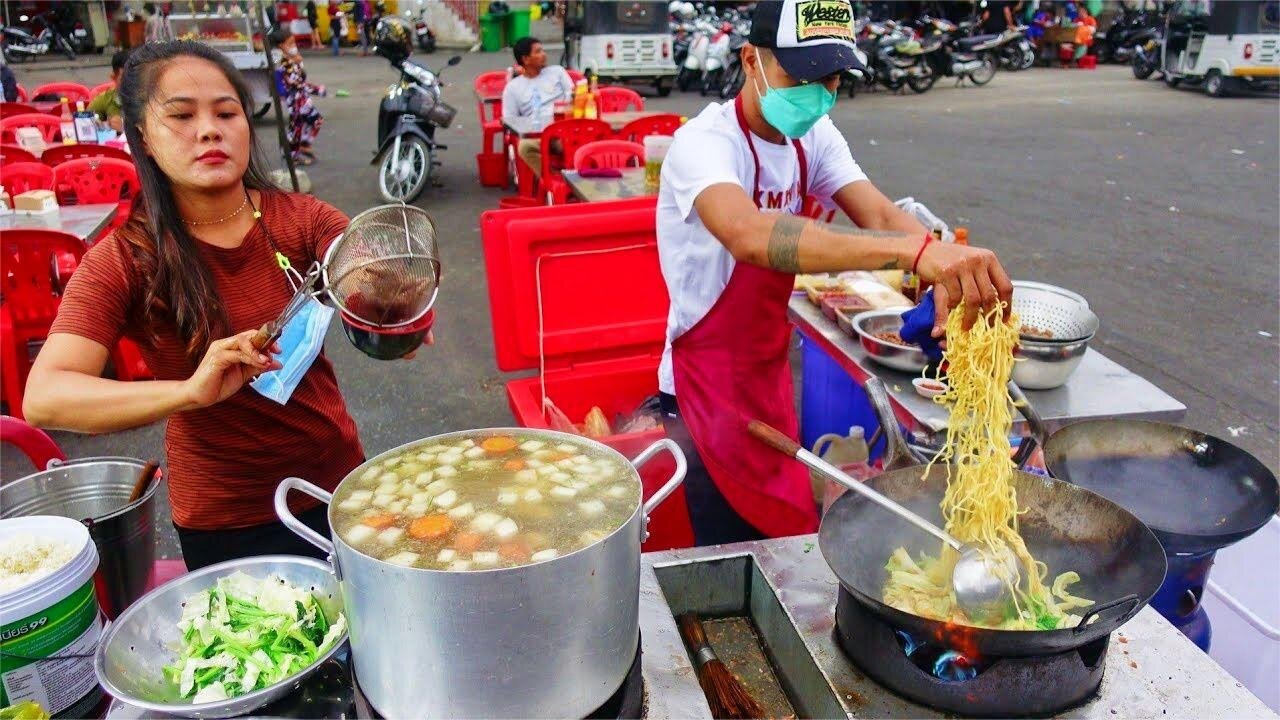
[[886, 46], [410, 112], [1129, 30], [1015, 50], [734, 74], [695, 59], [717, 58], [946, 52], [20, 44], [1146, 57], [426, 38]]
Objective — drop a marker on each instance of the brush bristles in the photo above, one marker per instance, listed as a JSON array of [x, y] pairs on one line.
[[728, 699]]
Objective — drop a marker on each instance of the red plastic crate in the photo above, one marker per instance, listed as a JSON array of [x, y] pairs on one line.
[[604, 318], [1088, 62]]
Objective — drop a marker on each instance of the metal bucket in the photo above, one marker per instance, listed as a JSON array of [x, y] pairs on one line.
[[95, 491]]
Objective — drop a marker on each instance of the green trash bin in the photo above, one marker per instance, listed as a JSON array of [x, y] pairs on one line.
[[517, 24], [491, 27]]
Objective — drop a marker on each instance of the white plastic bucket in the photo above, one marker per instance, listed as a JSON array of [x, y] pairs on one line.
[[49, 629], [1243, 602]]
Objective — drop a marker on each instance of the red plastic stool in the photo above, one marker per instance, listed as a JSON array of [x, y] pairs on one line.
[[1088, 62], [492, 168], [519, 201]]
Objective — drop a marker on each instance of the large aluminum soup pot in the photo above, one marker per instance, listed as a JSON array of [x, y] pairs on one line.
[[552, 639]]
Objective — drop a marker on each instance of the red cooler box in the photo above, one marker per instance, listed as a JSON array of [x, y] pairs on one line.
[[603, 321]]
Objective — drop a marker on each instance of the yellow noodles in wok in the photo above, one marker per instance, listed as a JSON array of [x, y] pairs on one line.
[[980, 505]]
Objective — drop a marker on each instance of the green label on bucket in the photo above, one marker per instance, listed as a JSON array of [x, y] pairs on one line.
[[68, 627]]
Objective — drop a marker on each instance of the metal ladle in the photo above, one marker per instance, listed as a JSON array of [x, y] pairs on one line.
[[980, 591]]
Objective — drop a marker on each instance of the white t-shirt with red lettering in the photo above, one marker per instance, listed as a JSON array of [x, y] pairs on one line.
[[709, 150]]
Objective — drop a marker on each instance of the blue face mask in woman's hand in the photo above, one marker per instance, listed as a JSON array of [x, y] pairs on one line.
[[300, 343], [793, 111]]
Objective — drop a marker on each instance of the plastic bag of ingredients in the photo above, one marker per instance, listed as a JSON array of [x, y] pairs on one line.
[[926, 217], [875, 292], [595, 425]]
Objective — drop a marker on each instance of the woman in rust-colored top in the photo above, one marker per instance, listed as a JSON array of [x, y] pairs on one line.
[[190, 277]]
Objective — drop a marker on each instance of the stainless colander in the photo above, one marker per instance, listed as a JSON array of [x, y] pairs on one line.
[[385, 269], [1061, 312]]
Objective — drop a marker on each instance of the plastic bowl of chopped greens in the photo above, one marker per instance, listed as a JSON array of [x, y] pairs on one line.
[[226, 639]]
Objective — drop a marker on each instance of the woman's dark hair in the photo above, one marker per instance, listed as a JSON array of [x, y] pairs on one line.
[[118, 60], [179, 288], [523, 48], [277, 35], [149, 8]]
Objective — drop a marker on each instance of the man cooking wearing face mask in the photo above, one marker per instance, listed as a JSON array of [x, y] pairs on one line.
[[730, 243]]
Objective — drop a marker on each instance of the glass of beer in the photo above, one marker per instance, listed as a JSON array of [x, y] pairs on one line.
[[655, 151]]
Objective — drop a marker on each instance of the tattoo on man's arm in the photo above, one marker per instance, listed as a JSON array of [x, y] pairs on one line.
[[784, 243], [863, 232]]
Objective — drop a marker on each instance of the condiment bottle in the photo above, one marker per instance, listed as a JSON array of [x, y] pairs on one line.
[[962, 236], [579, 98], [589, 109], [850, 454], [68, 124]]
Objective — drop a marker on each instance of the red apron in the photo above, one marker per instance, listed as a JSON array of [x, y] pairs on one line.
[[731, 367]]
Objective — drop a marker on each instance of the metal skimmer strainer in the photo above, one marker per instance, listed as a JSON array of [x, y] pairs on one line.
[[385, 269], [1061, 312]]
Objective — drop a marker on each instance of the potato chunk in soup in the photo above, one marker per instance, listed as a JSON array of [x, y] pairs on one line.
[[479, 501]]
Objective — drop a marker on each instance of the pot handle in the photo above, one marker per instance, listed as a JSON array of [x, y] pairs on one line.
[[297, 526], [1037, 435], [677, 477]]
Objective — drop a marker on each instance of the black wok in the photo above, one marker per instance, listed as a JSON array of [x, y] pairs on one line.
[[1196, 492], [1120, 561]]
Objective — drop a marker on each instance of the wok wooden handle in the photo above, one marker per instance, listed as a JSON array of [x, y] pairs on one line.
[[773, 438], [261, 340]]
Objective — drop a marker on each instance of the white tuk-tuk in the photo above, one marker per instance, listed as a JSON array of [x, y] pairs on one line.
[[620, 41], [1224, 45]]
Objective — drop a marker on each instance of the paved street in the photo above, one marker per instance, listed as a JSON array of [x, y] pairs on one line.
[[1158, 205]]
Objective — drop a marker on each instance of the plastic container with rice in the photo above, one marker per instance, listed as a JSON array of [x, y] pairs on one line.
[[49, 619]]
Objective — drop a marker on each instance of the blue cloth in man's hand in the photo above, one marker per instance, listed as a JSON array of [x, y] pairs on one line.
[[917, 324]]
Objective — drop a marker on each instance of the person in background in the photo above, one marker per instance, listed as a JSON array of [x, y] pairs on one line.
[[529, 98], [360, 14], [1086, 26], [304, 118], [107, 104], [997, 17], [335, 27], [9, 81], [157, 28], [313, 19]]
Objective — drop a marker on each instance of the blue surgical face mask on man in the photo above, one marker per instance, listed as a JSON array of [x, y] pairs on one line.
[[300, 343], [793, 111]]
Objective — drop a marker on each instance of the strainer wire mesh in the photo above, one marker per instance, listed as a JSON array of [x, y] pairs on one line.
[[1065, 317], [385, 269]]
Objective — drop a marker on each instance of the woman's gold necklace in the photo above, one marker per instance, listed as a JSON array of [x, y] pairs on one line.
[[221, 219]]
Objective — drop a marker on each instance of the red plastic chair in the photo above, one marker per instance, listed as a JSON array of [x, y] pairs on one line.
[[17, 108], [22, 93], [97, 90], [100, 180], [569, 135], [609, 154], [20, 177], [50, 127], [618, 99], [73, 92], [490, 114], [34, 267], [637, 130], [16, 154], [59, 154], [39, 448]]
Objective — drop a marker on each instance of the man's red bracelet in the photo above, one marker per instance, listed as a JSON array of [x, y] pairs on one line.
[[928, 238]]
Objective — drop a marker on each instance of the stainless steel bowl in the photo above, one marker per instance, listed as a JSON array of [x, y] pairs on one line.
[[1046, 365], [907, 358], [136, 647]]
